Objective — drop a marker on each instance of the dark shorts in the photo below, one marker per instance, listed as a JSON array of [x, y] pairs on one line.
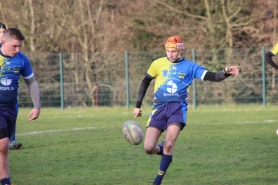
[[171, 113], [7, 121]]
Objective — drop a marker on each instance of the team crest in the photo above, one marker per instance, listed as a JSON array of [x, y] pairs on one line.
[[181, 74], [16, 69]]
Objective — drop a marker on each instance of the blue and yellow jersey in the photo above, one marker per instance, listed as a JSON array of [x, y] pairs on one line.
[[274, 49], [172, 80], [10, 70]]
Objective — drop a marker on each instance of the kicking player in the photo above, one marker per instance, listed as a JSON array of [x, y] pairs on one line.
[[13, 64], [173, 74], [270, 54]]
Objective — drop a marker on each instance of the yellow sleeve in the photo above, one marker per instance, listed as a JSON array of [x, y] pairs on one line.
[[152, 70], [274, 50], [158, 66]]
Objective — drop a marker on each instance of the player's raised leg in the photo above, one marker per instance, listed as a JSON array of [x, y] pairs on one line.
[[151, 138]]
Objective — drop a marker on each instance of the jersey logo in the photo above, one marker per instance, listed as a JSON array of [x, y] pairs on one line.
[[164, 73], [171, 87], [174, 69], [4, 66], [6, 81]]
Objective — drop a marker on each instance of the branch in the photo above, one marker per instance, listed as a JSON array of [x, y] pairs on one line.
[[184, 12]]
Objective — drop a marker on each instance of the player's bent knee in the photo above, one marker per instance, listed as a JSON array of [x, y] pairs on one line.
[[149, 150]]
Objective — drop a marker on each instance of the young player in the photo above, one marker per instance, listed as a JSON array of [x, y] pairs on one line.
[[173, 74], [270, 54], [13, 64], [13, 144]]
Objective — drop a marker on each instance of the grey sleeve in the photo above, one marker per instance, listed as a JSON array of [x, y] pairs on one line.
[[34, 91]]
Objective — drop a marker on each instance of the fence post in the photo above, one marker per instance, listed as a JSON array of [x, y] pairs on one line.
[[127, 80], [194, 82], [61, 81], [263, 78]]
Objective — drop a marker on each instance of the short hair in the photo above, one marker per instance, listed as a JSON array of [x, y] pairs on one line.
[[2, 25], [13, 33]]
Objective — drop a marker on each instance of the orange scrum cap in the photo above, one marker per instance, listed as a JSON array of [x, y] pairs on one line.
[[174, 42]]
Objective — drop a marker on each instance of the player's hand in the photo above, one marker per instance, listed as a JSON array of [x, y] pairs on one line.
[[34, 114], [233, 70], [137, 112]]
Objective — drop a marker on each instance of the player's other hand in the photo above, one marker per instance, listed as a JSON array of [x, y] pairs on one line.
[[34, 114], [233, 70], [137, 112]]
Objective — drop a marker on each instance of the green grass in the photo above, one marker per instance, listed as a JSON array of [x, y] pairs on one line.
[[234, 145]]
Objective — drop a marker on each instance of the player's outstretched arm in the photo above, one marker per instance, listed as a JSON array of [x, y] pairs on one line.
[[221, 75]]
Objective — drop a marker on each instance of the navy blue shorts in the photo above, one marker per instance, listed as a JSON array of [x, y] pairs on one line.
[[174, 112], [7, 121]]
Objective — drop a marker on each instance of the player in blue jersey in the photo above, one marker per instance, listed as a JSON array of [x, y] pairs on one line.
[[13, 64], [173, 74], [270, 54], [13, 144]]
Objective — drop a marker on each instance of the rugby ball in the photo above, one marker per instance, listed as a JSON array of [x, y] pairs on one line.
[[133, 132]]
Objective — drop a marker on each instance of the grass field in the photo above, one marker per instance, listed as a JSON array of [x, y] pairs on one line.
[[219, 146]]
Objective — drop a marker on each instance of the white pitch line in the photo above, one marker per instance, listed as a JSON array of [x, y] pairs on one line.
[[51, 131], [74, 116], [246, 122], [265, 121], [88, 128]]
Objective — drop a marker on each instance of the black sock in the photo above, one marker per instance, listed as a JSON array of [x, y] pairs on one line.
[[5, 181], [161, 150]]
